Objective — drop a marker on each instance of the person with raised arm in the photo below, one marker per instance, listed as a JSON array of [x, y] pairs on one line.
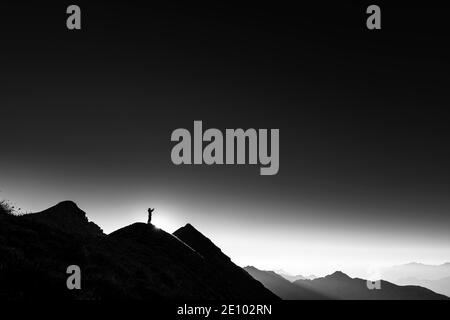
[[150, 211]]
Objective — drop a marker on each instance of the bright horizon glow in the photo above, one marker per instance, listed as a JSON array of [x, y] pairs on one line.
[[163, 220]]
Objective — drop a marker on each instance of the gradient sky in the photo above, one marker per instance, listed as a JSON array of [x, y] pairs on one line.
[[364, 159]]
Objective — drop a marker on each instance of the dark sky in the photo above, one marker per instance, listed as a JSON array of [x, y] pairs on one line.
[[364, 128]]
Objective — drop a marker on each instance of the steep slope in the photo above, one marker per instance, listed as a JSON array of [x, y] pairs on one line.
[[204, 246], [340, 286], [135, 262], [282, 287], [232, 277]]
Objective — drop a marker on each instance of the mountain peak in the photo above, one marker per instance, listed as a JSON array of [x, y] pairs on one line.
[[65, 208], [251, 268], [338, 275], [189, 230], [200, 243], [189, 226], [68, 204], [68, 217]]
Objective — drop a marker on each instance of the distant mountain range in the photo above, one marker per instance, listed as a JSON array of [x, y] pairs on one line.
[[339, 286], [293, 278], [282, 287], [416, 270], [136, 262], [441, 286], [433, 277]]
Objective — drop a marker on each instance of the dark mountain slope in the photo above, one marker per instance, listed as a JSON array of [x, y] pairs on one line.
[[282, 287], [35, 252], [197, 241], [135, 262], [225, 271]]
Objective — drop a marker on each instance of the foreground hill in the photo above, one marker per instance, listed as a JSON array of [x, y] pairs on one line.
[[226, 272], [135, 262]]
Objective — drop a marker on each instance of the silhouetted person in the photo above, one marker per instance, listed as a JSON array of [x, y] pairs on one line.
[[150, 211]]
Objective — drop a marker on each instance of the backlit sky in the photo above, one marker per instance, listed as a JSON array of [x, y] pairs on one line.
[[364, 160]]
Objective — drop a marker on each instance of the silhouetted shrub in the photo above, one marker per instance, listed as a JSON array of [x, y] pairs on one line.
[[5, 208]]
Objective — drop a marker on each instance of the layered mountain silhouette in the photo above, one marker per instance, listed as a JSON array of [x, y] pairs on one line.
[[139, 261], [441, 286], [339, 286], [293, 278], [433, 277], [282, 287]]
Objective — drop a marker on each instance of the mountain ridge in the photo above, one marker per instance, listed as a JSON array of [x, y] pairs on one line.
[[342, 287], [138, 262], [283, 287]]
